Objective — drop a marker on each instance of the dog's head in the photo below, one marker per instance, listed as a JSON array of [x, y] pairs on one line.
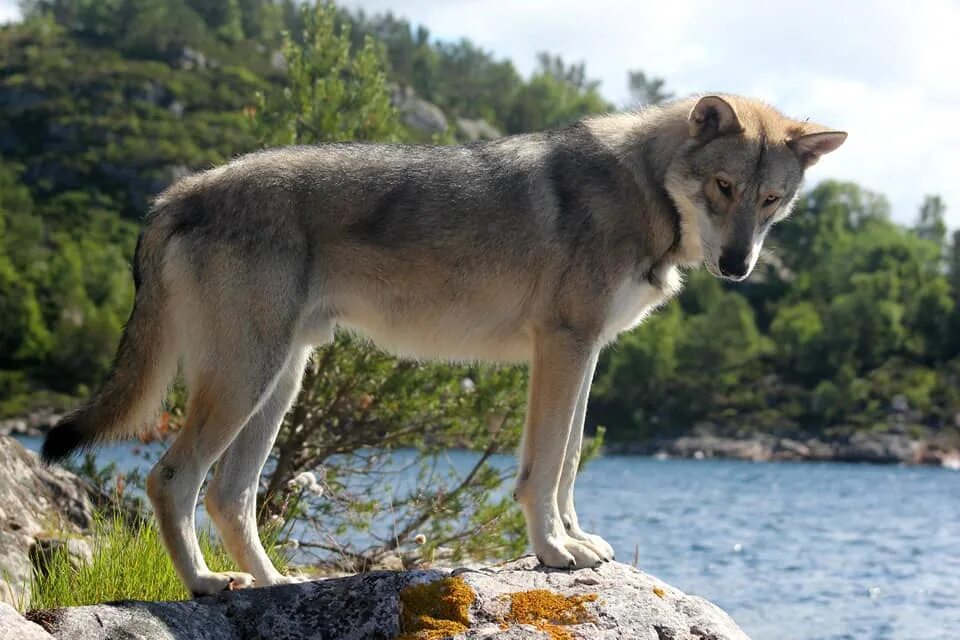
[[738, 174]]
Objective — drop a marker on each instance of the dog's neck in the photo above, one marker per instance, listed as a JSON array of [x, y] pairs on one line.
[[648, 142]]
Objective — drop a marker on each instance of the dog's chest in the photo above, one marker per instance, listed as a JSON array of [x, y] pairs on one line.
[[634, 299]]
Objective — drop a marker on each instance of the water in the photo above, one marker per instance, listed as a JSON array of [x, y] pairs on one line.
[[794, 550]]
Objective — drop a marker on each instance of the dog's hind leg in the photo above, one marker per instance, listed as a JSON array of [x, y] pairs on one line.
[[560, 364], [231, 367], [571, 462], [231, 498]]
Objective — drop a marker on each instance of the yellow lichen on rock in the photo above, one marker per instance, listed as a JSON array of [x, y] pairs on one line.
[[435, 610], [549, 611], [660, 593]]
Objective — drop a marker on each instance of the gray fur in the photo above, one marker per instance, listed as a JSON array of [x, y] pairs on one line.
[[537, 248]]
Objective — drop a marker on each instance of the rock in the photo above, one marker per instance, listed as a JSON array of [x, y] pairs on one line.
[[44, 419], [13, 625], [515, 600], [36, 502], [900, 403], [880, 447], [820, 450], [149, 91], [708, 446], [937, 456], [788, 449], [278, 61], [176, 109], [78, 551], [473, 130], [188, 58], [417, 113], [18, 427]]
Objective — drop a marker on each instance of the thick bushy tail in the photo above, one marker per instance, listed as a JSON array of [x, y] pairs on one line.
[[145, 362]]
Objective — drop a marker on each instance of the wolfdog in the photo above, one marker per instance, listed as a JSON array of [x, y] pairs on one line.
[[537, 248]]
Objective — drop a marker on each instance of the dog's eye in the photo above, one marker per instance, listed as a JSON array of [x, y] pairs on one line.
[[770, 200], [724, 186]]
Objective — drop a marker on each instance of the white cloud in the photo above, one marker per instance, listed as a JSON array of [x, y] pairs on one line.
[[883, 70], [9, 11]]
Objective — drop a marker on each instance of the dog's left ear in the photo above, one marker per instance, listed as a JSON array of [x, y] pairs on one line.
[[809, 147], [713, 116]]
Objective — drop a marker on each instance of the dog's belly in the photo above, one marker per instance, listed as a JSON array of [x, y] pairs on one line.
[[482, 328], [445, 342]]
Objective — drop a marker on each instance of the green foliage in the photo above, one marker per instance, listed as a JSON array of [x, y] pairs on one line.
[[930, 224], [65, 294], [359, 405], [129, 562], [720, 342], [467, 81], [862, 311], [556, 95], [164, 30], [646, 90], [331, 94], [104, 102], [355, 399], [796, 333]]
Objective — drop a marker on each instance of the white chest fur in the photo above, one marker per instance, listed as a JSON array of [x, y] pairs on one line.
[[633, 301]]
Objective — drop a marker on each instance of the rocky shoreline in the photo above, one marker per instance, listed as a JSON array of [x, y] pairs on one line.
[[34, 425], [888, 447], [875, 448]]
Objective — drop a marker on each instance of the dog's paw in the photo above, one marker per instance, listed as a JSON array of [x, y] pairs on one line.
[[595, 542], [207, 584], [278, 580], [598, 544], [563, 552]]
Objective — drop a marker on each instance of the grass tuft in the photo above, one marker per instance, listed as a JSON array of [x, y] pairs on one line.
[[129, 563]]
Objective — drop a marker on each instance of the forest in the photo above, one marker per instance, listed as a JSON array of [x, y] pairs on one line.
[[851, 323]]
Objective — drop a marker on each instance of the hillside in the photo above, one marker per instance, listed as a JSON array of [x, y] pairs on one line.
[[851, 327]]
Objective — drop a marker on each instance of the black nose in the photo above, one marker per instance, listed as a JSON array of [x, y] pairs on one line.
[[733, 264]]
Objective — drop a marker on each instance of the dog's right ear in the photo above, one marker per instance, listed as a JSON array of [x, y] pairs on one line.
[[713, 116]]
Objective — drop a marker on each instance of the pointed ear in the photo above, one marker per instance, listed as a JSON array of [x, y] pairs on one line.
[[811, 146], [713, 116]]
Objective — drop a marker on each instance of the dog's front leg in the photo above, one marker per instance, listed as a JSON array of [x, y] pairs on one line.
[[561, 362], [571, 462]]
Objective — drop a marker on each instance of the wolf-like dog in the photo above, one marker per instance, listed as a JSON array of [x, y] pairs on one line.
[[537, 248]]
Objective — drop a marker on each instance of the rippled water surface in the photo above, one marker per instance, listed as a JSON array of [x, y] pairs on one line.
[[789, 550], [792, 550]]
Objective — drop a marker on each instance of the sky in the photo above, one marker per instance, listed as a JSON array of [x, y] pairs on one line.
[[888, 72]]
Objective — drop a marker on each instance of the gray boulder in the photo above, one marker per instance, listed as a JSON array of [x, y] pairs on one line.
[[36, 502], [13, 625], [514, 600], [417, 113], [880, 447]]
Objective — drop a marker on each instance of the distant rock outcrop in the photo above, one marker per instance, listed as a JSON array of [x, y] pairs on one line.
[[514, 600], [417, 113], [871, 447], [35, 502]]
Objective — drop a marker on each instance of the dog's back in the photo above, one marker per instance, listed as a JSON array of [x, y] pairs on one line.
[[536, 248]]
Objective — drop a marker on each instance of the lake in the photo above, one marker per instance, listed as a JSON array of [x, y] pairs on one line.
[[790, 550]]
